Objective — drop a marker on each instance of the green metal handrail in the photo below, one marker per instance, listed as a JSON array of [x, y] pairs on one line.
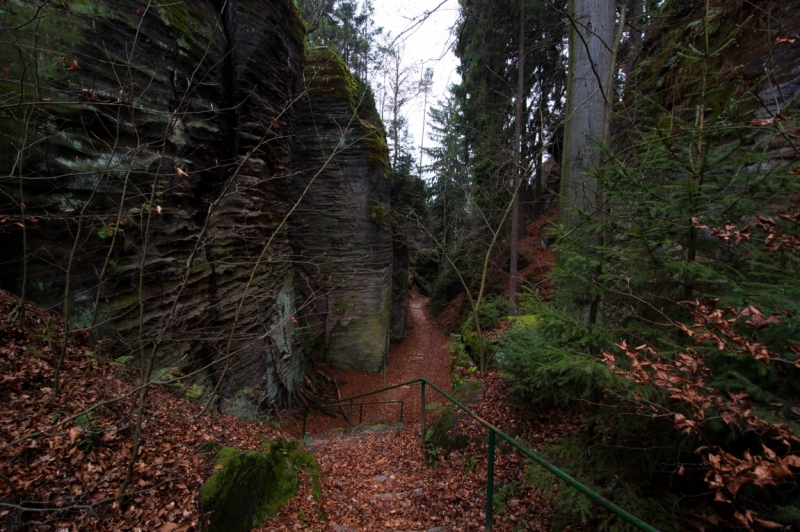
[[344, 402], [494, 431]]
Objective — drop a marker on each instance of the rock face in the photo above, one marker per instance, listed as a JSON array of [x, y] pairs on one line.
[[757, 56], [341, 231], [756, 65], [147, 188], [150, 147], [401, 282]]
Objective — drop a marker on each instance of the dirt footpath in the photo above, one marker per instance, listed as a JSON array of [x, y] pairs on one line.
[[423, 353]]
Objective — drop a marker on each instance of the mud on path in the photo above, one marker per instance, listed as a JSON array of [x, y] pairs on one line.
[[423, 353]]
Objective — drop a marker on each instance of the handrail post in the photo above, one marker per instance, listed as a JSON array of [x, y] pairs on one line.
[[490, 483], [361, 413], [401, 411], [422, 401], [351, 413], [305, 415]]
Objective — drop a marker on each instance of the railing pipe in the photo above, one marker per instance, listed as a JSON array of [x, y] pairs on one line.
[[422, 402], [490, 483], [632, 519]]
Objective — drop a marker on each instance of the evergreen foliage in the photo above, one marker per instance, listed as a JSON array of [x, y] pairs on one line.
[[693, 191], [473, 166], [550, 361], [449, 187], [345, 26], [486, 47]]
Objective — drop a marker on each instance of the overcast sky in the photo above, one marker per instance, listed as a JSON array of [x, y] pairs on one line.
[[426, 45]]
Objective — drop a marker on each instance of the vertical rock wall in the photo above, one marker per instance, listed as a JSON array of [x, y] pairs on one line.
[[341, 232], [401, 281], [157, 135], [147, 154]]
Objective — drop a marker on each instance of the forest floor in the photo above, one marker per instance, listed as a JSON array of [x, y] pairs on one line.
[[383, 480], [61, 469], [423, 353]]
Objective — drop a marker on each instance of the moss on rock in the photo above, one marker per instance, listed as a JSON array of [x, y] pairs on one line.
[[297, 26], [253, 485], [328, 77], [443, 433]]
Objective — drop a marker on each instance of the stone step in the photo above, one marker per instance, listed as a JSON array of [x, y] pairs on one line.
[[418, 492], [349, 435], [338, 528]]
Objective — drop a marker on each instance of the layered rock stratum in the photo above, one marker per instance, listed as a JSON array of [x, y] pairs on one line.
[[148, 153], [342, 234]]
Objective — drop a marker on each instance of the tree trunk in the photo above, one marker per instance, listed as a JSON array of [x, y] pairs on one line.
[[516, 210], [592, 49], [589, 98], [538, 208]]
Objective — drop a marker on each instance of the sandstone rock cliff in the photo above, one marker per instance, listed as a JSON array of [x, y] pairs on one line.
[[157, 136], [341, 233]]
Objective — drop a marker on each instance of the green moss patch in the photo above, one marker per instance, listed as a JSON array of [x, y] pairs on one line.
[[250, 486], [443, 434], [467, 392], [378, 214], [328, 77]]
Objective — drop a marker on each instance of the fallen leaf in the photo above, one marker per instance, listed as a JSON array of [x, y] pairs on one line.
[[771, 525], [761, 122], [75, 433]]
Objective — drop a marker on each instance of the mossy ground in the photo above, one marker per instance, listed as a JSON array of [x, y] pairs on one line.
[[253, 485]]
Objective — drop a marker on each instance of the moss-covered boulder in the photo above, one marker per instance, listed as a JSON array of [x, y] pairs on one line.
[[251, 486], [443, 434]]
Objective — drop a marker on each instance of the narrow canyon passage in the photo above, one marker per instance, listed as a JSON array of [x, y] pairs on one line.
[[423, 353]]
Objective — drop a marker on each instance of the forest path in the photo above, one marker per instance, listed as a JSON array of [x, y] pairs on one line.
[[380, 478], [423, 353]]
